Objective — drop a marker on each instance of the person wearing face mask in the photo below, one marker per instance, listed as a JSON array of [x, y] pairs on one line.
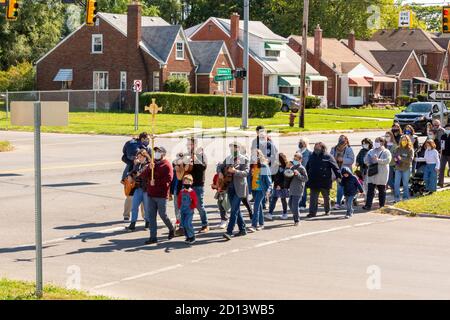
[[259, 182], [235, 169], [158, 192], [403, 157], [296, 186], [280, 190], [345, 157], [411, 133], [187, 202], [319, 169], [445, 154], [433, 163], [397, 132], [391, 145], [303, 149], [377, 160], [366, 145]]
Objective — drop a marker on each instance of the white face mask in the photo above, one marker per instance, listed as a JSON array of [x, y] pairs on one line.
[[377, 145], [429, 148], [158, 155]]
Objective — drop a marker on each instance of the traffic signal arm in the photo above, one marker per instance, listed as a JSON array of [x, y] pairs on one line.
[[91, 11]]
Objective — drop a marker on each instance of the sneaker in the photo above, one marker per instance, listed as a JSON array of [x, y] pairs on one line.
[[147, 225], [303, 208], [190, 241], [327, 213], [260, 228], [204, 229], [223, 224], [179, 232], [284, 216], [251, 229], [296, 224], [310, 216], [226, 236], [337, 207], [151, 241], [171, 234], [126, 219], [347, 216], [269, 217], [131, 227], [241, 233], [366, 208]]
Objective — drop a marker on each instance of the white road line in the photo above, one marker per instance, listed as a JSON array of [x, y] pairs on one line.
[[227, 253]]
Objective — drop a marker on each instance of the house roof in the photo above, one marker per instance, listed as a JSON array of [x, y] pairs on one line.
[[443, 42], [392, 62], [407, 39], [337, 55], [206, 53], [159, 40], [120, 21], [364, 50], [256, 28]]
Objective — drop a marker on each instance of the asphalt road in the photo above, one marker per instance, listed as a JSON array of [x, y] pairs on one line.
[[371, 256]]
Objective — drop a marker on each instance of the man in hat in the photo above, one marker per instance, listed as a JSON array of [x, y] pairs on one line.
[[236, 168], [158, 192]]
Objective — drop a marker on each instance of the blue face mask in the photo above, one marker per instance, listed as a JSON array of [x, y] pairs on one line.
[[295, 162], [408, 133]]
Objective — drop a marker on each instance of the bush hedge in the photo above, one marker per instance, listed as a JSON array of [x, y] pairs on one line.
[[177, 85], [211, 105], [312, 102], [402, 100]]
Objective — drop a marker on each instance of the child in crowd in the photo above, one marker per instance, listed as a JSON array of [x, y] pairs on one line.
[[187, 202], [432, 160], [351, 186], [297, 177], [222, 200]]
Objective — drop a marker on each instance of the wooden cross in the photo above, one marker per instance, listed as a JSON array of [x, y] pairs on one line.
[[153, 109]]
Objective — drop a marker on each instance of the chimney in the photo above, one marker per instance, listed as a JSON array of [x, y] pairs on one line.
[[352, 41], [317, 46], [134, 24], [234, 21]]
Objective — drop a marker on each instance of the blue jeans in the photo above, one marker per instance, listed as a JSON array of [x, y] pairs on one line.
[[339, 193], [349, 205], [138, 198], [305, 196], [391, 180], [236, 214], [273, 203], [294, 204], [186, 222], [155, 207], [401, 176], [200, 191], [430, 177], [258, 216]]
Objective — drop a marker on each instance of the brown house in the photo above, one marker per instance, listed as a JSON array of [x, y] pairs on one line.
[[432, 56]]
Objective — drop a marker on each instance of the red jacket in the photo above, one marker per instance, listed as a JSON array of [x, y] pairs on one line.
[[163, 177], [193, 196]]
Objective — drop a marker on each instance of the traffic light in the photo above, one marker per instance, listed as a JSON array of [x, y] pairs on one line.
[[2, 3], [91, 11], [446, 20], [240, 73], [12, 10]]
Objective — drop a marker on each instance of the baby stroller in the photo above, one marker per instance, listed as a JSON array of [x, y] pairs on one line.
[[417, 182]]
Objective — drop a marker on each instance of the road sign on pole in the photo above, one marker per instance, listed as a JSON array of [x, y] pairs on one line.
[[439, 95], [224, 72], [404, 19], [222, 78], [137, 87]]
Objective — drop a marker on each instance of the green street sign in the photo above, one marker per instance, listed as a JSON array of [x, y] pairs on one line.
[[224, 72], [222, 78]]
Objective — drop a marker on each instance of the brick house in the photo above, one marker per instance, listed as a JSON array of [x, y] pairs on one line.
[[116, 51], [432, 56], [402, 65], [273, 66]]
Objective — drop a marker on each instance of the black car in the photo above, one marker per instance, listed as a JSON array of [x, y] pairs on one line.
[[419, 114], [290, 102]]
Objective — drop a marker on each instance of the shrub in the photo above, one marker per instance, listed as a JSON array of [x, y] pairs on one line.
[[402, 100], [211, 105], [312, 102], [177, 85], [422, 97], [17, 78]]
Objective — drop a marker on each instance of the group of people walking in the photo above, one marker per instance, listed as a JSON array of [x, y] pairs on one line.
[[267, 175]]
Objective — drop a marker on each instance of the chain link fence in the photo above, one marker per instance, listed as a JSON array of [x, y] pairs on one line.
[[79, 100]]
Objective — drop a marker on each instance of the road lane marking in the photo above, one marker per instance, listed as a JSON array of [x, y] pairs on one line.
[[74, 166], [234, 251]]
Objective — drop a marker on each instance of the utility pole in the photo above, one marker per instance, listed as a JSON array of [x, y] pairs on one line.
[[246, 66], [304, 58]]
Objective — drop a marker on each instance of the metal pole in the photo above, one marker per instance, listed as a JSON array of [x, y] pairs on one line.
[[7, 104], [136, 112], [38, 196], [304, 58], [95, 101], [225, 86], [246, 65]]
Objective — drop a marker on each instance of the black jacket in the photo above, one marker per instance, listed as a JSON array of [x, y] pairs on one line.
[[320, 168], [351, 184]]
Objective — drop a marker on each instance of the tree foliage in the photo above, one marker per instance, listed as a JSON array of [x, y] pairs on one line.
[[17, 78]]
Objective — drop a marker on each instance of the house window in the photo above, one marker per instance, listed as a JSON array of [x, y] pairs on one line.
[[123, 80], [272, 53], [100, 80], [406, 87], [354, 92], [180, 50], [156, 81], [179, 75], [65, 85], [424, 59], [97, 43], [230, 84]]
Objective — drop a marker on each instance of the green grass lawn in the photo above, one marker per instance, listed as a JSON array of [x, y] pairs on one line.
[[437, 203], [354, 112], [22, 290], [123, 123], [5, 146]]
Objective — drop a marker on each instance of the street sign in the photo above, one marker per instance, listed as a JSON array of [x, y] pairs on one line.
[[222, 78], [53, 113], [439, 95], [137, 86], [224, 72], [404, 20]]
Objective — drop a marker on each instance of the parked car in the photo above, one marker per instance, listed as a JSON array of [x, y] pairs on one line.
[[290, 102], [419, 114]]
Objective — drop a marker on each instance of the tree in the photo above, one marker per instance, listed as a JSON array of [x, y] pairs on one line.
[[120, 6]]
